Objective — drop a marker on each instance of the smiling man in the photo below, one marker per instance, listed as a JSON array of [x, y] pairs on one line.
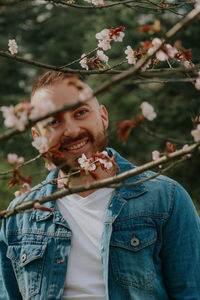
[[136, 242]]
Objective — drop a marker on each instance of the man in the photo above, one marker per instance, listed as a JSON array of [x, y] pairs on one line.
[[136, 242]]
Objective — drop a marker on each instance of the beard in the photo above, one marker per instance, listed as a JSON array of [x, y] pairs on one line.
[[68, 165]]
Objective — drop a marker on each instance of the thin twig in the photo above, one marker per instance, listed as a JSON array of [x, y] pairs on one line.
[[22, 165]]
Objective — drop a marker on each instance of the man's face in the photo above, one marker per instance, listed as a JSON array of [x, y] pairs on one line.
[[82, 130]]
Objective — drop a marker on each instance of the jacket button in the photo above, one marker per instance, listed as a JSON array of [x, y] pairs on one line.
[[23, 257], [135, 241]]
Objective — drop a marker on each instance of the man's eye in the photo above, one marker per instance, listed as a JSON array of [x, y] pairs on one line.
[[81, 112], [53, 122]]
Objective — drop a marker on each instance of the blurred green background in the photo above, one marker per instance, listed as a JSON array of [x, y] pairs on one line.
[[57, 35]]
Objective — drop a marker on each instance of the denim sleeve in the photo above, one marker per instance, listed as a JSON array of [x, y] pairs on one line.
[[8, 284], [181, 249]]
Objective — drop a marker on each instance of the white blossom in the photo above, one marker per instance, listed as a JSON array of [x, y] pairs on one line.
[[11, 120], [197, 83], [42, 108], [148, 111], [85, 163], [130, 55], [12, 47], [25, 188], [104, 44], [102, 56], [12, 158], [103, 34], [85, 93], [155, 155], [40, 143], [50, 166], [161, 55], [188, 64], [83, 61], [118, 37], [103, 38], [146, 66], [184, 148], [196, 133], [98, 2]]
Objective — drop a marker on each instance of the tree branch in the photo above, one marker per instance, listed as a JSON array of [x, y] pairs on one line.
[[134, 70], [101, 183]]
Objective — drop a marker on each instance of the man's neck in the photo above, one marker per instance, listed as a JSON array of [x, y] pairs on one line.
[[84, 180]]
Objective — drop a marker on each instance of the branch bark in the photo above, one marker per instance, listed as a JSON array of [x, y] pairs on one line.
[[101, 183]]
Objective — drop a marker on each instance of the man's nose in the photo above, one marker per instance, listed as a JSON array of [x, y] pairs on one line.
[[71, 129]]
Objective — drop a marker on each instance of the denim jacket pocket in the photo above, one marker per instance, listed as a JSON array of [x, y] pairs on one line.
[[131, 253], [27, 261]]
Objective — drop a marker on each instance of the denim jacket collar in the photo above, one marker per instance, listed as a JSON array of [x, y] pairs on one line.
[[122, 192]]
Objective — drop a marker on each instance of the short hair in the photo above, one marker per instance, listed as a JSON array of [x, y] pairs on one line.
[[51, 77]]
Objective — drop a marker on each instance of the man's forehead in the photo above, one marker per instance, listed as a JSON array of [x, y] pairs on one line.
[[61, 94]]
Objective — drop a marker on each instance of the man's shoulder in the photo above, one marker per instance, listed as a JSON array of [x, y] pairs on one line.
[[44, 188]]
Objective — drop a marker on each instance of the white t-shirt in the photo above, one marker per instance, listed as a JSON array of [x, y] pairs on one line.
[[85, 216]]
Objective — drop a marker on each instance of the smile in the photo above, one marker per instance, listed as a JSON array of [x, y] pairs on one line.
[[77, 146]]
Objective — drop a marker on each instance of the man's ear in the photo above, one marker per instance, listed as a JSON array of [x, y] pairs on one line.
[[34, 132], [104, 116]]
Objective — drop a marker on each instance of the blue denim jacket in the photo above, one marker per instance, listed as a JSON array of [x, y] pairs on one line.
[[150, 245]]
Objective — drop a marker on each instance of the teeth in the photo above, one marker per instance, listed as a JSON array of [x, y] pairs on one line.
[[77, 146]]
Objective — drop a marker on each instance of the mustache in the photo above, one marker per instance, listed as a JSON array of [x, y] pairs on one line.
[[68, 140]]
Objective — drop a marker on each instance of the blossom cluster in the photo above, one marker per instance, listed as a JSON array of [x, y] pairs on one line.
[[18, 116], [170, 148], [95, 2], [90, 164], [14, 159], [97, 61], [104, 38]]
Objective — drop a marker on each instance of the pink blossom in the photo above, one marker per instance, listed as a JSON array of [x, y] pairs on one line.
[[25, 187], [40, 143], [104, 160], [97, 2], [102, 56], [130, 55], [85, 93], [50, 166], [12, 47], [146, 66], [20, 160], [83, 61], [185, 148], [103, 38], [196, 133], [197, 83], [11, 120], [43, 108], [162, 55], [155, 155], [12, 158], [104, 44], [86, 163], [119, 37], [148, 111], [188, 64]]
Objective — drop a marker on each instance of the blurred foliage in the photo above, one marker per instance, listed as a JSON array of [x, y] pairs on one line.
[[57, 35]]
